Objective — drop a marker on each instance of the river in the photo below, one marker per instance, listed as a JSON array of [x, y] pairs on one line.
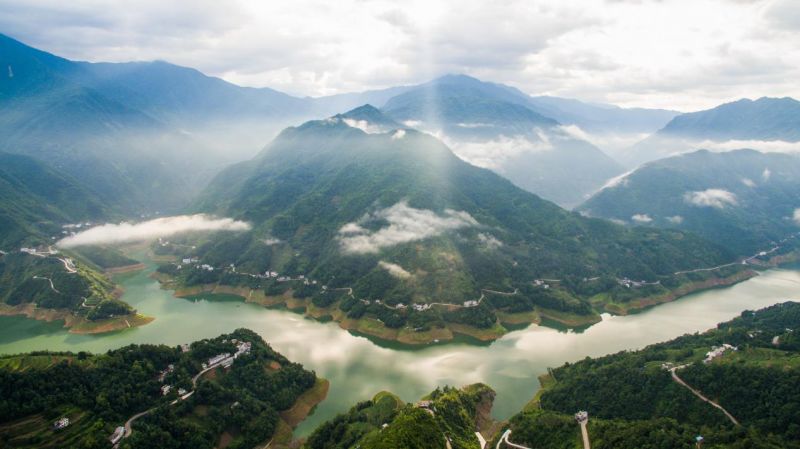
[[358, 367]]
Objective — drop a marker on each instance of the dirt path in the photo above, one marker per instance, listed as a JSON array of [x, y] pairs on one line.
[[700, 395]]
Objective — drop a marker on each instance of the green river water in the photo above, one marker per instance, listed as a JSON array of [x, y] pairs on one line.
[[358, 367]]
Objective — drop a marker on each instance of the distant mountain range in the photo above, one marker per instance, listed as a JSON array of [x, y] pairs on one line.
[[126, 128], [499, 128], [743, 200], [762, 120]]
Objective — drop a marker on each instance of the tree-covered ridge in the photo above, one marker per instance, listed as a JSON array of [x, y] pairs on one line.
[[101, 392], [447, 417], [744, 200], [36, 200], [317, 183], [633, 400], [58, 282]]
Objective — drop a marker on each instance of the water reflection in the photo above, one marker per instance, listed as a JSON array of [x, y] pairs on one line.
[[358, 367]]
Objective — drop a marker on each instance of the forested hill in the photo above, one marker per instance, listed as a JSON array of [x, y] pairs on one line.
[[744, 200], [97, 393], [633, 400], [398, 217], [36, 200], [447, 417]]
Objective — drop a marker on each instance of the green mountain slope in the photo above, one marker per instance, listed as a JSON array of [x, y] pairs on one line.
[[633, 401], [51, 111], [498, 127], [35, 200], [398, 217], [744, 200]]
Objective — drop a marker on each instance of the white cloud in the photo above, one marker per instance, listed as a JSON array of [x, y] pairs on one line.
[[489, 240], [766, 174], [677, 54], [395, 270], [796, 216], [716, 198], [493, 154], [364, 125], [405, 224], [148, 230], [765, 146], [399, 134], [641, 218], [620, 180], [675, 219], [748, 182]]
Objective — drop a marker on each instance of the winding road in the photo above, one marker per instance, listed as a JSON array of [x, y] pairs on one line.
[[52, 287], [130, 421], [680, 381], [504, 439]]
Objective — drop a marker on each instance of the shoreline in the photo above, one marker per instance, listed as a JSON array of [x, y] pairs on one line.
[[76, 324], [125, 269], [374, 329]]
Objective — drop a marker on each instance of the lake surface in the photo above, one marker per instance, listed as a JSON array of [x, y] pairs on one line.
[[358, 368]]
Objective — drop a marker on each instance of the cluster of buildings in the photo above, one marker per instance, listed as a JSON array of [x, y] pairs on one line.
[[472, 303], [225, 359], [40, 252], [628, 283], [163, 374], [420, 307], [541, 283], [61, 423], [717, 351]]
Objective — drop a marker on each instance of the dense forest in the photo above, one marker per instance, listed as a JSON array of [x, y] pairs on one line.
[[100, 392], [45, 282], [447, 417], [633, 401]]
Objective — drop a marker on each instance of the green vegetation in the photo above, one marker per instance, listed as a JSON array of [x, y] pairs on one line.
[[385, 422], [315, 179], [633, 402], [46, 283], [755, 213], [100, 392], [35, 200], [105, 257]]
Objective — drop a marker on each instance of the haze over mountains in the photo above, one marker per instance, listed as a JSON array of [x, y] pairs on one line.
[[135, 123], [744, 200], [764, 124]]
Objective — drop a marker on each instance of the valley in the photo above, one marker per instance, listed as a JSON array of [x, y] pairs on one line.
[[368, 225]]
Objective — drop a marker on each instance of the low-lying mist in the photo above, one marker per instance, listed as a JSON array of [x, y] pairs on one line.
[[125, 232]]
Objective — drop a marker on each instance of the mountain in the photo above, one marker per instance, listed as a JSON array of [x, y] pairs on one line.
[[635, 398], [396, 216], [763, 120], [497, 127], [122, 154], [602, 119], [744, 200], [36, 200]]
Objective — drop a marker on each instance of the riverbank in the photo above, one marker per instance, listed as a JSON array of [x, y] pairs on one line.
[[125, 269], [506, 322], [302, 408], [76, 324], [637, 305]]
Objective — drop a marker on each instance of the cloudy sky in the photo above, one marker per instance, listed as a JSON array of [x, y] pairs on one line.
[[683, 54]]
